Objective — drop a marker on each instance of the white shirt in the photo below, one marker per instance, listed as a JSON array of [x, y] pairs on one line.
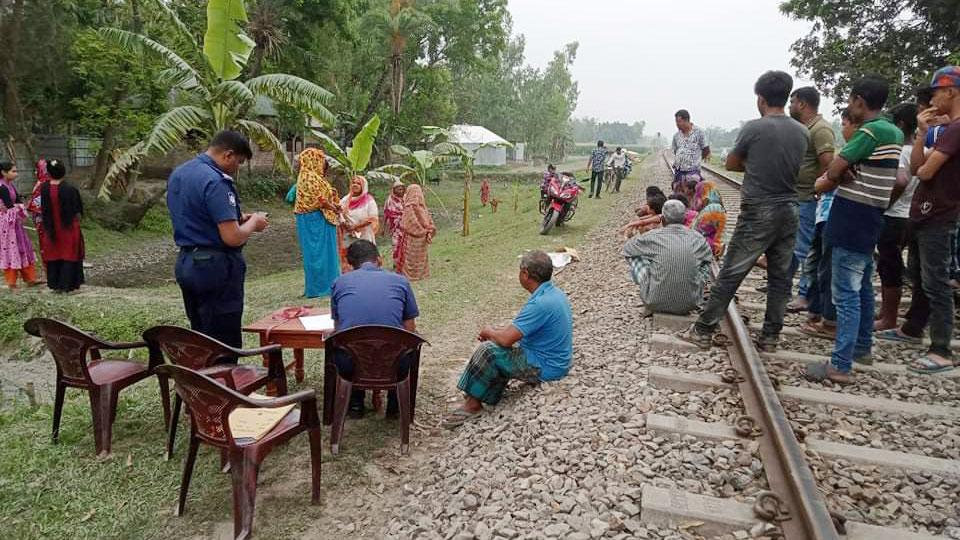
[[618, 160], [901, 208]]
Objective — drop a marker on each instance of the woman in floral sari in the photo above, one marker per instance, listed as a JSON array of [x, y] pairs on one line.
[[317, 209], [418, 232], [16, 249], [711, 215], [393, 214]]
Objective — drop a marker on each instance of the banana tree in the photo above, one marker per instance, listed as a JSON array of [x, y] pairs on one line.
[[208, 95], [356, 160]]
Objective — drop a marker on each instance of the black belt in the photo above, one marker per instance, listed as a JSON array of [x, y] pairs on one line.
[[220, 249]]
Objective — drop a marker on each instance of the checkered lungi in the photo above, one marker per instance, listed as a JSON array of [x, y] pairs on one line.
[[490, 369]]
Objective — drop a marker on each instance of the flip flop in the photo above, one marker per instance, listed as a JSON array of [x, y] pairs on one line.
[[458, 417], [816, 330], [928, 366], [894, 335], [819, 373]]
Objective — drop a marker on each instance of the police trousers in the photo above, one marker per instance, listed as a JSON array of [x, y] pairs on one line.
[[211, 282]]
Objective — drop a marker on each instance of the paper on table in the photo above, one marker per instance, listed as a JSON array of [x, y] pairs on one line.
[[317, 322], [246, 423]]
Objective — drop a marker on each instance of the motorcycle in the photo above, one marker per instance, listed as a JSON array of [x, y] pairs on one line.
[[559, 203]]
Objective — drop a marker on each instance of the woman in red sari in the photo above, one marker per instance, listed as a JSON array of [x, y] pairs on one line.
[[393, 214], [33, 206], [62, 208]]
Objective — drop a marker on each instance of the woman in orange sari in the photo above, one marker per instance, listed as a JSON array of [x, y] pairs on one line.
[[418, 232]]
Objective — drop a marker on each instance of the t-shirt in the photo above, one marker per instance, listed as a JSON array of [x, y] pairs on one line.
[[688, 149], [772, 149], [618, 160], [371, 295], [901, 208], [938, 200], [857, 214], [822, 140], [546, 322], [597, 159], [199, 197]]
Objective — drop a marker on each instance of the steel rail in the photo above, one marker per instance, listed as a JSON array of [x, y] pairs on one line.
[[784, 463]]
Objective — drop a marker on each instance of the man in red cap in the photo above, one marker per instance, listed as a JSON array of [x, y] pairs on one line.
[[933, 218]]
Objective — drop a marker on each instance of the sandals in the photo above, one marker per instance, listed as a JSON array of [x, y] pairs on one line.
[[820, 372], [817, 330], [894, 335], [928, 366], [458, 417]]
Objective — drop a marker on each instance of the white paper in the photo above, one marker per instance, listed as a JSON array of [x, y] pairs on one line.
[[560, 260], [317, 322]]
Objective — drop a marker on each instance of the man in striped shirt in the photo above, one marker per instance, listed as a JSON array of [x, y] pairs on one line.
[[863, 174], [671, 265]]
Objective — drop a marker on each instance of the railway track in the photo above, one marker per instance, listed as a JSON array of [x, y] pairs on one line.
[[878, 459]]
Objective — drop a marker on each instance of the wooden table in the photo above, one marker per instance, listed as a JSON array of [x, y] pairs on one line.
[[290, 334]]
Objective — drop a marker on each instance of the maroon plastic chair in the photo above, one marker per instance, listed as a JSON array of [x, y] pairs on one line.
[[376, 352], [210, 404], [199, 352], [80, 365]]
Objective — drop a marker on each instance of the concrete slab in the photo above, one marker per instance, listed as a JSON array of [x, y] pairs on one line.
[[668, 343], [683, 381], [713, 431], [881, 367], [673, 323], [854, 401], [674, 508]]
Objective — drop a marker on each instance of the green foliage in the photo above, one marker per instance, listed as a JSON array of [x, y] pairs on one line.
[[587, 130], [261, 187], [905, 41], [225, 45]]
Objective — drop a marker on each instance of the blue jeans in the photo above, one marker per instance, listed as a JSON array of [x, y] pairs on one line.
[[801, 248], [853, 297], [762, 229], [817, 269]]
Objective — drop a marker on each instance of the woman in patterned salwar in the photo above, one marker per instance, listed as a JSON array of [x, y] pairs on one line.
[[317, 209], [418, 232], [393, 215], [16, 249], [711, 215]]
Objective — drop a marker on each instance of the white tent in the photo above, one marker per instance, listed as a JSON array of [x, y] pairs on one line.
[[488, 148]]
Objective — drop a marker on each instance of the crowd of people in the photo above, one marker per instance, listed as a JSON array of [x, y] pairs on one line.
[[55, 210], [832, 211]]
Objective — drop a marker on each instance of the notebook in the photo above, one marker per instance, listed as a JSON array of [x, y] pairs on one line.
[[253, 424]]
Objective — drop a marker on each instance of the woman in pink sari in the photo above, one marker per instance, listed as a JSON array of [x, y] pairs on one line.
[[16, 249], [393, 214]]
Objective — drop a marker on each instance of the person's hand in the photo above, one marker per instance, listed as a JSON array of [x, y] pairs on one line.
[[244, 217], [930, 117], [484, 332], [260, 221]]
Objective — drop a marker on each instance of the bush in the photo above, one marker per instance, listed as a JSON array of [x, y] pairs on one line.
[[261, 187]]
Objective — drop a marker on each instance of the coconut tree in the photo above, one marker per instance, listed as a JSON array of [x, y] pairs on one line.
[[208, 97]]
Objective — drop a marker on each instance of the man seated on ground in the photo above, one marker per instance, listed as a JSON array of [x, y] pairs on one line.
[[671, 265], [648, 216], [537, 346], [370, 295]]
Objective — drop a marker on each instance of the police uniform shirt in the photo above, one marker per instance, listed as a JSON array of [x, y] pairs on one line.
[[200, 196]]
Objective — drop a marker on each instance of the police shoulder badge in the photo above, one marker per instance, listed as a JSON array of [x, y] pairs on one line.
[[232, 198]]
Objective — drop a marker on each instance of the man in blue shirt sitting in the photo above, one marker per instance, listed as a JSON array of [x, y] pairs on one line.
[[370, 295], [536, 346]]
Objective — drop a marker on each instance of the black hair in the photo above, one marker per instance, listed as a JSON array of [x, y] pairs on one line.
[[551, 167], [845, 114], [774, 87], [655, 202], [651, 190], [234, 141], [619, 148], [808, 95], [874, 91], [361, 251], [599, 144], [682, 114], [904, 115], [56, 169], [692, 184], [680, 197], [6, 166], [924, 95]]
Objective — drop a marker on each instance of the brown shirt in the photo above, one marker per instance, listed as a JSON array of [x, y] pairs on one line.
[[938, 200], [822, 140]]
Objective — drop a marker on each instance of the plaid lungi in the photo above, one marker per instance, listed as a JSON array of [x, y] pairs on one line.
[[490, 369]]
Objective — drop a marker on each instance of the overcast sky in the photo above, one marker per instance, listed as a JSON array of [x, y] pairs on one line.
[[643, 60]]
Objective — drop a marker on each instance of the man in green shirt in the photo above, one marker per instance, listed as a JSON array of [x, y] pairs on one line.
[[804, 108]]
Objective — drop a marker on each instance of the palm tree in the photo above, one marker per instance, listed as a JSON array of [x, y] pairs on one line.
[[208, 96]]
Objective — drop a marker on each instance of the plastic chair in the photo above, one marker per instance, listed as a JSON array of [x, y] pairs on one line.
[[80, 365], [210, 404], [376, 352], [199, 352]]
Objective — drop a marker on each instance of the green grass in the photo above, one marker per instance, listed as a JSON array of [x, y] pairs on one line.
[[64, 491]]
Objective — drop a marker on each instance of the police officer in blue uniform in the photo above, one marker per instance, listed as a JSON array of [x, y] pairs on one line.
[[210, 230]]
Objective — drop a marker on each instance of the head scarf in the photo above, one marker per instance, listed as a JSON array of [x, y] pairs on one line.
[[42, 178], [355, 202], [416, 219], [706, 194], [393, 208], [312, 187]]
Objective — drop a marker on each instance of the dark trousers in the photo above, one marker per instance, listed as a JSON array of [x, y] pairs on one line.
[[769, 229], [345, 369], [620, 174], [211, 283], [596, 177], [818, 268], [893, 238], [928, 267]]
